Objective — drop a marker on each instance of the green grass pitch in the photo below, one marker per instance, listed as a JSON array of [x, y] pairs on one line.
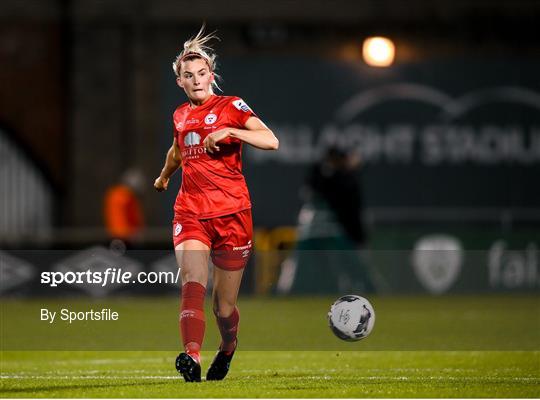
[[450, 346]]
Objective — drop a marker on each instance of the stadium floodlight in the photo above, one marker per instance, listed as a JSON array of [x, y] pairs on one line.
[[378, 51]]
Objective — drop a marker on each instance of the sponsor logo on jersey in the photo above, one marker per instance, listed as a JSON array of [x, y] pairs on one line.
[[247, 246], [192, 121], [241, 105], [210, 119], [192, 139], [177, 229], [192, 153]]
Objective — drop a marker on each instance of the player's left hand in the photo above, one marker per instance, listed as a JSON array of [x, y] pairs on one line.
[[210, 143]]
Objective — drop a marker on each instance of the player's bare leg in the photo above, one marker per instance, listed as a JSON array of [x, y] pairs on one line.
[[225, 292], [225, 296], [192, 257]]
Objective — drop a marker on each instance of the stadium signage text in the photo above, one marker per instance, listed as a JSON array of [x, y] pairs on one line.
[[513, 269], [405, 143], [427, 126]]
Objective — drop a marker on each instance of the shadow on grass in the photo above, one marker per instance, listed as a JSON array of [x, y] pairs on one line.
[[79, 386]]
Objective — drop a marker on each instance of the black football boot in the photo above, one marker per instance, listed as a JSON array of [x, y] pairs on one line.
[[188, 367]]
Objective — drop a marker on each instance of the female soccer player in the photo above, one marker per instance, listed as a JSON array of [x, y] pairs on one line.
[[212, 212]]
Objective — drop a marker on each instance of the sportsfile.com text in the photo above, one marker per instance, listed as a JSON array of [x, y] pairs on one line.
[[107, 277]]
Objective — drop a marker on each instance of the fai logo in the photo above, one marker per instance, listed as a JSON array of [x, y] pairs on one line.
[[210, 119], [437, 261], [241, 105], [513, 269], [192, 139], [177, 229]]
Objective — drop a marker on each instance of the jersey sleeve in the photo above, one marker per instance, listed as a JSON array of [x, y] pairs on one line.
[[178, 121], [239, 112], [174, 128]]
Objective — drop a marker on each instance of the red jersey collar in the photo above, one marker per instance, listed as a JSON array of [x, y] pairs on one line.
[[208, 103]]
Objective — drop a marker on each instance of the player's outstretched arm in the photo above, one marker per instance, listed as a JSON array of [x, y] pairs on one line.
[[172, 163], [256, 134]]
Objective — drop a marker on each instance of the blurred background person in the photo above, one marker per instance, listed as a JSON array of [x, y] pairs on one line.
[[122, 207], [333, 185], [330, 230]]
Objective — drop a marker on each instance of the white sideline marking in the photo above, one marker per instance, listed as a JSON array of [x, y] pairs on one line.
[[88, 377], [97, 361], [359, 379]]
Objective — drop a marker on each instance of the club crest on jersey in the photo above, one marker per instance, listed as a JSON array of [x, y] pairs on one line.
[[241, 105], [192, 139], [177, 229], [210, 119]]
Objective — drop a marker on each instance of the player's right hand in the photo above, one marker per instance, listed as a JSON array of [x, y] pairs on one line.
[[161, 184]]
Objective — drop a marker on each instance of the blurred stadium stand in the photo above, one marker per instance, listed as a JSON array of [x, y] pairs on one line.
[[87, 92], [27, 207]]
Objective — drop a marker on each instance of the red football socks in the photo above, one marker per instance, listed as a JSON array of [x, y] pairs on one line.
[[192, 322], [228, 327]]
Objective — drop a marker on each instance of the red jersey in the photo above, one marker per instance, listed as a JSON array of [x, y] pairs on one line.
[[212, 184]]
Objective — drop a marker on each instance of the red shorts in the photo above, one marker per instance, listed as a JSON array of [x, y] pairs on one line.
[[229, 237]]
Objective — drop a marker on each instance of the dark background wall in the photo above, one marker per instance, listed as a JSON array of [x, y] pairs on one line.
[[87, 86]]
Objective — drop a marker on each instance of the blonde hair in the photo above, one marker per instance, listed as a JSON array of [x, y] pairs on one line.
[[196, 47]]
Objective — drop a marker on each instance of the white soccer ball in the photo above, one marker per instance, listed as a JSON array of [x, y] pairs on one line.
[[351, 317]]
